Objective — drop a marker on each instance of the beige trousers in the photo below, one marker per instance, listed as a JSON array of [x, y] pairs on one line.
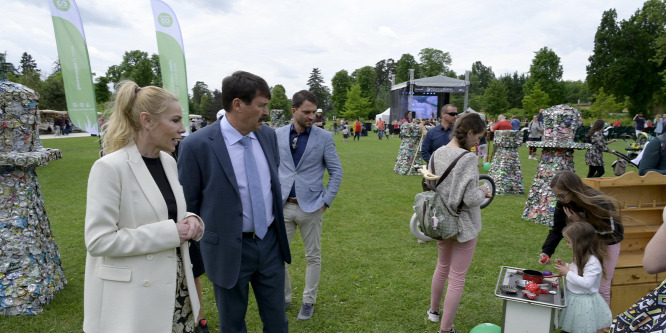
[[310, 225]]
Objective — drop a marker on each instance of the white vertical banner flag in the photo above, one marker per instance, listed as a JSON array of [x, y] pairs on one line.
[[172, 55]]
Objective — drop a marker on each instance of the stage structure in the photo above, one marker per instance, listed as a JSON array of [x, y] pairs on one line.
[[427, 96]]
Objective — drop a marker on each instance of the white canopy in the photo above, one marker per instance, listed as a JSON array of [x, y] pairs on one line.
[[384, 116]]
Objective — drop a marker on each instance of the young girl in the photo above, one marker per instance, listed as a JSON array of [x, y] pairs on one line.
[[586, 310]]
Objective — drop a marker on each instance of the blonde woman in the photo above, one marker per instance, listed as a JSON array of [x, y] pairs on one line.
[[138, 276]]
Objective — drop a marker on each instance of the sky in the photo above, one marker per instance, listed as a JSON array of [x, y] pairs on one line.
[[282, 41]]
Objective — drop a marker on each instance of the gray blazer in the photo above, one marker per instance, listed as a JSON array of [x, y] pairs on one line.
[[320, 154]]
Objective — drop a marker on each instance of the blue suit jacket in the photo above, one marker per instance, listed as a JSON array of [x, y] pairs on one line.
[[320, 154], [211, 191]]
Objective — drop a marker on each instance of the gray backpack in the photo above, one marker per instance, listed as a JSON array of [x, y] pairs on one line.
[[433, 216]]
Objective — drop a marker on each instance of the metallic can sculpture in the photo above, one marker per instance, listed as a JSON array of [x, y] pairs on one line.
[[30, 267], [277, 118], [560, 124], [505, 168], [409, 155]]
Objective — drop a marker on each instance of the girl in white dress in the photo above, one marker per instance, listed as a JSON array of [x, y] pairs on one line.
[[586, 310]]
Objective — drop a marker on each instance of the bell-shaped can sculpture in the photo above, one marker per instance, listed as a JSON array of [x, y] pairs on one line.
[[560, 124], [30, 266]]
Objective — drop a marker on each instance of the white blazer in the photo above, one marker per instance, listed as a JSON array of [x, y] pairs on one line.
[[130, 281]]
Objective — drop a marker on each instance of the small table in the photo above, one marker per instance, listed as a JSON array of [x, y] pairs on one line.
[[523, 315]]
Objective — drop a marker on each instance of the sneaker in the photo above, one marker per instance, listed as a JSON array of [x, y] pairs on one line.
[[202, 326], [433, 316], [307, 310]]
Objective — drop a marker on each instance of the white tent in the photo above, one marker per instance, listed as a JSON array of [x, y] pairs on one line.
[[384, 116], [470, 110]]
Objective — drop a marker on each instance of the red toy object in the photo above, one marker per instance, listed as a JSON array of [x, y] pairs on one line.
[[544, 259], [555, 284], [532, 287], [544, 291]]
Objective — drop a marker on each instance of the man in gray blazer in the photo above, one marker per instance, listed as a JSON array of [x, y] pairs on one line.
[[305, 152], [245, 241]]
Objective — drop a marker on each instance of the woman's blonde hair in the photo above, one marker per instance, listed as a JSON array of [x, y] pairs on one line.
[[128, 102]]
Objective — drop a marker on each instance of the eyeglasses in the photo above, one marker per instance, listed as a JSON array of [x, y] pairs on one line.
[[452, 114], [561, 196], [294, 143]]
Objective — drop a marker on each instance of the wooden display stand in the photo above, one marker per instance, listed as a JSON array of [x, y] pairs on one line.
[[642, 200]]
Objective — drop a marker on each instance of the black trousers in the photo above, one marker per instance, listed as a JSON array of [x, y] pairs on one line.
[[595, 171]]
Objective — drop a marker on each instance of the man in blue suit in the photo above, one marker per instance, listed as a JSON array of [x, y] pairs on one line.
[[229, 173], [305, 152]]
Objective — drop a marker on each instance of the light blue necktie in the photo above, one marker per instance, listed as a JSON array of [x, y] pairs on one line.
[[254, 183]]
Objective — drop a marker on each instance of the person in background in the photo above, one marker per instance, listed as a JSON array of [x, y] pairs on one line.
[[407, 118], [658, 125], [577, 202], [380, 129], [617, 122], [653, 156], [357, 130], [515, 123], [441, 134], [345, 133], [586, 310], [482, 150], [534, 134], [502, 124], [640, 123], [229, 172], [594, 157], [306, 151], [455, 254], [319, 120], [137, 275], [335, 127]]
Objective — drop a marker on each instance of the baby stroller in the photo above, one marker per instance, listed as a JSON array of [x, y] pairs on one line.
[[620, 165]]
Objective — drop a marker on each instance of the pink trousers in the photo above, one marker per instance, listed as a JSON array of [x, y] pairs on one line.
[[453, 261], [609, 266]]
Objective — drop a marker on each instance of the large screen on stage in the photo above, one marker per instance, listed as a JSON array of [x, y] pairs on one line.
[[425, 107]]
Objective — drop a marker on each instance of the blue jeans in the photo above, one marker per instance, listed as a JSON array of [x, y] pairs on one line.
[[380, 133]]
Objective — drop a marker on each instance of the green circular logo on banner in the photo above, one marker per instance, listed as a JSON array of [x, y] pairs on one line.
[[62, 5], [165, 20]]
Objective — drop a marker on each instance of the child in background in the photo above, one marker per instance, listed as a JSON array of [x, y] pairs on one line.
[[587, 312], [345, 132]]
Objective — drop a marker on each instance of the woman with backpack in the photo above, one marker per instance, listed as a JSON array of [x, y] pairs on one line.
[[455, 254]]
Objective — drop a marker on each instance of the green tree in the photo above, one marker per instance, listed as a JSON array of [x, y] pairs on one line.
[[341, 83], [537, 99], [156, 69], [27, 64], [546, 70], [480, 78], [434, 62], [102, 91], [30, 79], [365, 77], [495, 98], [605, 104], [383, 70], [514, 87], [356, 106], [477, 102], [52, 94], [279, 100], [136, 66], [406, 63], [576, 91], [317, 87], [623, 60], [216, 105], [205, 105]]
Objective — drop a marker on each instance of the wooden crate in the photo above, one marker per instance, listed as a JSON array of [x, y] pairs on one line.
[[642, 201]]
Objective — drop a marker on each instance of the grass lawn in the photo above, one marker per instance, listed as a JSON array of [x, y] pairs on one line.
[[375, 276]]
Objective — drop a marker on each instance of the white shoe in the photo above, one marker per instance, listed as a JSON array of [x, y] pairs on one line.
[[433, 316]]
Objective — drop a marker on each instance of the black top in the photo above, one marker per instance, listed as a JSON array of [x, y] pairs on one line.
[[613, 234], [157, 171]]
